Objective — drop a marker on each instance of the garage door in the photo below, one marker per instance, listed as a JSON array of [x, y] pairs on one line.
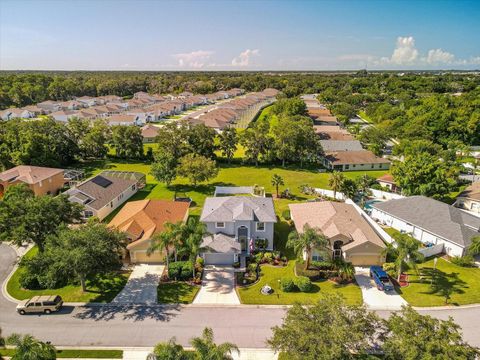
[[142, 257], [218, 259], [365, 260]]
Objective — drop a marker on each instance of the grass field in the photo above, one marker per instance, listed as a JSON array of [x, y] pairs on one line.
[[272, 275], [458, 285], [176, 293], [100, 289], [78, 354]]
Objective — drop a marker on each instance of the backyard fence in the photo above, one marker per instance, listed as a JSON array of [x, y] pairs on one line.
[[330, 194], [378, 194]]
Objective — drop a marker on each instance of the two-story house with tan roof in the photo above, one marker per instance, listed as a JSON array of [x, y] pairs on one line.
[[42, 180]]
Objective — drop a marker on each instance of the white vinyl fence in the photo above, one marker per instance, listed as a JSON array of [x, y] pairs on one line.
[[330, 193], [378, 194]]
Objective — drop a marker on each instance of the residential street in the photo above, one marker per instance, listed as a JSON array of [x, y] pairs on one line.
[[247, 326]]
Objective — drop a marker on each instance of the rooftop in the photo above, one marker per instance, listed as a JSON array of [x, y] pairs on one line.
[[29, 174]]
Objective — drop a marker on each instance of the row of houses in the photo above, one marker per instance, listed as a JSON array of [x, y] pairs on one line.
[[342, 151], [239, 111], [142, 108]]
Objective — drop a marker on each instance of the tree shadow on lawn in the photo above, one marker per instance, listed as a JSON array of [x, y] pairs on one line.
[[109, 312], [174, 292], [281, 231], [443, 285], [106, 286]]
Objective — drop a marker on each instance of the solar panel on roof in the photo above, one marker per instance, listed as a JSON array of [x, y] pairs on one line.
[[101, 181]]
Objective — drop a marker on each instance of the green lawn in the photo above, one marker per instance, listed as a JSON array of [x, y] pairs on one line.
[[177, 293], [271, 276], [461, 285], [100, 289], [78, 354]]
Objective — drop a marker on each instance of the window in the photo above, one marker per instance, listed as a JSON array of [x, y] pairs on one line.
[[260, 226], [354, 165], [347, 167], [373, 166], [317, 258], [111, 203], [220, 225], [88, 213], [133, 187]]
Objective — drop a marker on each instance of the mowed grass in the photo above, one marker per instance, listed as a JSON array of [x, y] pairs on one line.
[[77, 354], [449, 284], [229, 175], [176, 292], [271, 276], [99, 289]]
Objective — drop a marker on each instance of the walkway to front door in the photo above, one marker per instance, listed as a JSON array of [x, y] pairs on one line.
[[218, 286]]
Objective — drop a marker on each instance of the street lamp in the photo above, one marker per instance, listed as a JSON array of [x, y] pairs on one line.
[[434, 268]]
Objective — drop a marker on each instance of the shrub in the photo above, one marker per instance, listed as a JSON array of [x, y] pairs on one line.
[[29, 281], [390, 269], [286, 214], [465, 261], [236, 264], [304, 284], [267, 258], [186, 270], [321, 265], [287, 285], [180, 270], [200, 261], [261, 244], [258, 257], [252, 268]]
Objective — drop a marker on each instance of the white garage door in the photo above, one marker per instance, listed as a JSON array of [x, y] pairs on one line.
[[218, 259]]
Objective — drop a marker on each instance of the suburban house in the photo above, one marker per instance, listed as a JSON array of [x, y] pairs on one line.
[[125, 120], [237, 224], [50, 106], [105, 192], [16, 113], [429, 221], [141, 220], [351, 236], [354, 160], [388, 182], [149, 133], [42, 180], [341, 145], [63, 115], [469, 199]]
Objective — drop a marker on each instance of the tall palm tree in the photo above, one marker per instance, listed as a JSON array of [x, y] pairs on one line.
[[171, 237], [29, 348], [306, 241], [405, 252], [193, 233], [335, 181], [168, 351], [206, 349], [277, 181]]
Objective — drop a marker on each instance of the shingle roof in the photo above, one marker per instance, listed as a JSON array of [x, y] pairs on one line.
[[231, 208], [101, 196], [434, 216], [333, 219], [29, 174], [221, 243], [341, 145], [355, 157], [471, 192]]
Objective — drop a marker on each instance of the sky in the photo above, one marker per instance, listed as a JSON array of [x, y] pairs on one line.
[[239, 35]]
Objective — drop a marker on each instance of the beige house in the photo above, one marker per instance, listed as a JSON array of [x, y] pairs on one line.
[[141, 220], [469, 199], [350, 235], [354, 161], [42, 180]]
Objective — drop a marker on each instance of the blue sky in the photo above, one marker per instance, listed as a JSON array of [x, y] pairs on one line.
[[239, 35]]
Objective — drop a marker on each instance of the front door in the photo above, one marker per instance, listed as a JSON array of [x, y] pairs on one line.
[[242, 236]]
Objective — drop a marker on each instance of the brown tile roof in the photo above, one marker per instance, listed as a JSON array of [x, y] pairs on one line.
[[149, 131], [29, 174], [121, 118], [471, 192], [335, 219], [388, 178], [355, 157], [144, 218]]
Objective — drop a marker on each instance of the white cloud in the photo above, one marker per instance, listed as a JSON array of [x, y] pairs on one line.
[[438, 56], [244, 58], [194, 59], [405, 53]]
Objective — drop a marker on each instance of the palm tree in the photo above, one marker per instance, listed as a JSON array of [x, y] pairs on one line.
[[474, 248], [277, 181], [363, 185], [335, 181], [29, 348], [349, 188], [171, 237], [168, 351], [306, 241], [346, 271], [405, 251], [193, 233], [206, 349]]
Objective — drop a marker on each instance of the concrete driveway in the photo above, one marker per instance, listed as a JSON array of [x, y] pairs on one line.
[[142, 285], [374, 298], [218, 286]]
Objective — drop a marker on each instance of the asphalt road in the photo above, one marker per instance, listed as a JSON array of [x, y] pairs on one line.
[[126, 326]]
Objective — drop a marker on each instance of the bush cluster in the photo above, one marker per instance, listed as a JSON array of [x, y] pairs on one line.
[[287, 285], [180, 270], [300, 283], [465, 261]]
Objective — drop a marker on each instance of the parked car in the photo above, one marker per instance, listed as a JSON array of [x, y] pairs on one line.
[[381, 278], [40, 304]]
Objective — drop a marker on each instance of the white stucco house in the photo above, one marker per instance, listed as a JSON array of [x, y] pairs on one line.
[[429, 221], [236, 223]]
